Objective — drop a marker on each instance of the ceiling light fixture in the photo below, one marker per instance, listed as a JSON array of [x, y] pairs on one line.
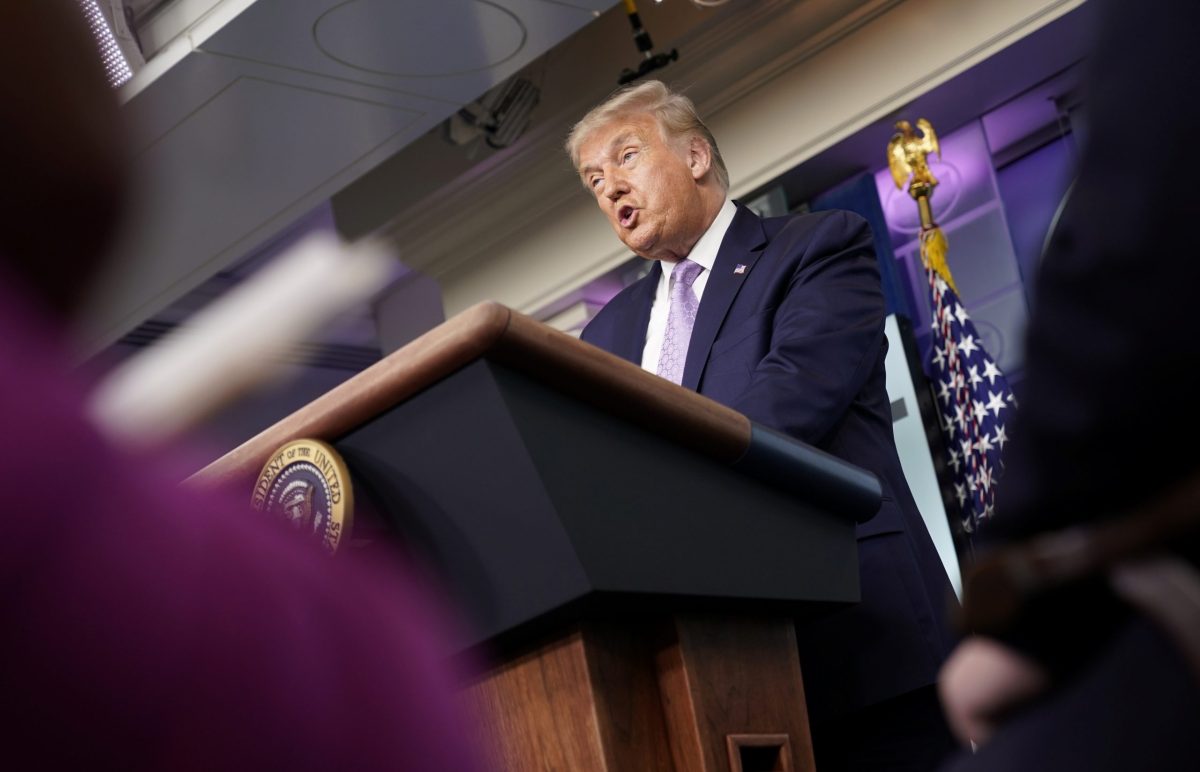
[[116, 67]]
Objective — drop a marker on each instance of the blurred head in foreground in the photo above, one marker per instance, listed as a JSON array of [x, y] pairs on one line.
[[64, 159]]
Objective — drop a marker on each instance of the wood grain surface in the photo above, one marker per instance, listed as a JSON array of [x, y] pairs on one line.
[[669, 694], [739, 677]]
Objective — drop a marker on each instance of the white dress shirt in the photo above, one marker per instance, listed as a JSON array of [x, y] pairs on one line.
[[704, 253]]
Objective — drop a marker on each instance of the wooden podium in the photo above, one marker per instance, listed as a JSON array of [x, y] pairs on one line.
[[629, 555]]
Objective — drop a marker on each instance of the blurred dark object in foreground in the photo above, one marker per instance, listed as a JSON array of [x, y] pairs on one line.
[[1105, 426], [149, 627]]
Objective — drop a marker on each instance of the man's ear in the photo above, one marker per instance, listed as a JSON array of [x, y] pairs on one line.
[[699, 157]]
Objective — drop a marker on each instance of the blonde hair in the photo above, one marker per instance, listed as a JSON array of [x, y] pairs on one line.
[[675, 113]]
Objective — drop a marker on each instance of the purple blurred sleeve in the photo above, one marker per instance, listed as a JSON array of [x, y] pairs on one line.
[[147, 626]]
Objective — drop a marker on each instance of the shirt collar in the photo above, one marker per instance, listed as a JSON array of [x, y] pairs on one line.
[[705, 251]]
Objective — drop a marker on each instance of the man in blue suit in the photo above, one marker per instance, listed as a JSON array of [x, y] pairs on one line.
[[781, 319]]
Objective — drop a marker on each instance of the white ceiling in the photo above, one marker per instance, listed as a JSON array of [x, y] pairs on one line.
[[257, 111]]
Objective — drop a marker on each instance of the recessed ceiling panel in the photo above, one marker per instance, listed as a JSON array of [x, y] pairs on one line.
[[419, 40], [453, 50], [257, 153]]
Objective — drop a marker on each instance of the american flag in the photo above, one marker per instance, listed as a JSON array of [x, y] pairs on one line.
[[974, 401]]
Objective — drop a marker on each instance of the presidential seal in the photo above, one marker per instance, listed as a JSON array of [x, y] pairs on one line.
[[306, 484]]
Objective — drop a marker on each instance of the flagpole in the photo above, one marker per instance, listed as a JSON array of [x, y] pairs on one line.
[[973, 395]]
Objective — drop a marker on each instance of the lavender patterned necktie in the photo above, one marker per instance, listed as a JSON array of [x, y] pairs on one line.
[[680, 318]]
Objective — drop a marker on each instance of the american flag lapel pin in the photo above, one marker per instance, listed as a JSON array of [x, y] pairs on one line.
[[741, 268]]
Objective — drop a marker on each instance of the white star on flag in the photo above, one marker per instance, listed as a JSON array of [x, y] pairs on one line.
[[985, 478]]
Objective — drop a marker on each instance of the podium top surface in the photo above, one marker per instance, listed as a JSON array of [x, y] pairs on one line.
[[495, 332]]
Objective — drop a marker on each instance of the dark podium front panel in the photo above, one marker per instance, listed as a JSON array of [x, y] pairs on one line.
[[536, 506]]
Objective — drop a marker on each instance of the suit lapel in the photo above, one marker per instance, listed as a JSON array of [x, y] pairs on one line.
[[740, 249], [629, 337]]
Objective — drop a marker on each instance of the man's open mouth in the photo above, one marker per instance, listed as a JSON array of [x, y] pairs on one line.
[[626, 216]]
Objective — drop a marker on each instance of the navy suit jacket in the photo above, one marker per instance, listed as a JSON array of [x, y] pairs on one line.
[[790, 332]]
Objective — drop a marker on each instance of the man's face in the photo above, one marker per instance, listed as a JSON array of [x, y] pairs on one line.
[[646, 185]]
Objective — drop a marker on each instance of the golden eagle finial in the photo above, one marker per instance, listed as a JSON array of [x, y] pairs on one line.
[[906, 157], [907, 160]]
